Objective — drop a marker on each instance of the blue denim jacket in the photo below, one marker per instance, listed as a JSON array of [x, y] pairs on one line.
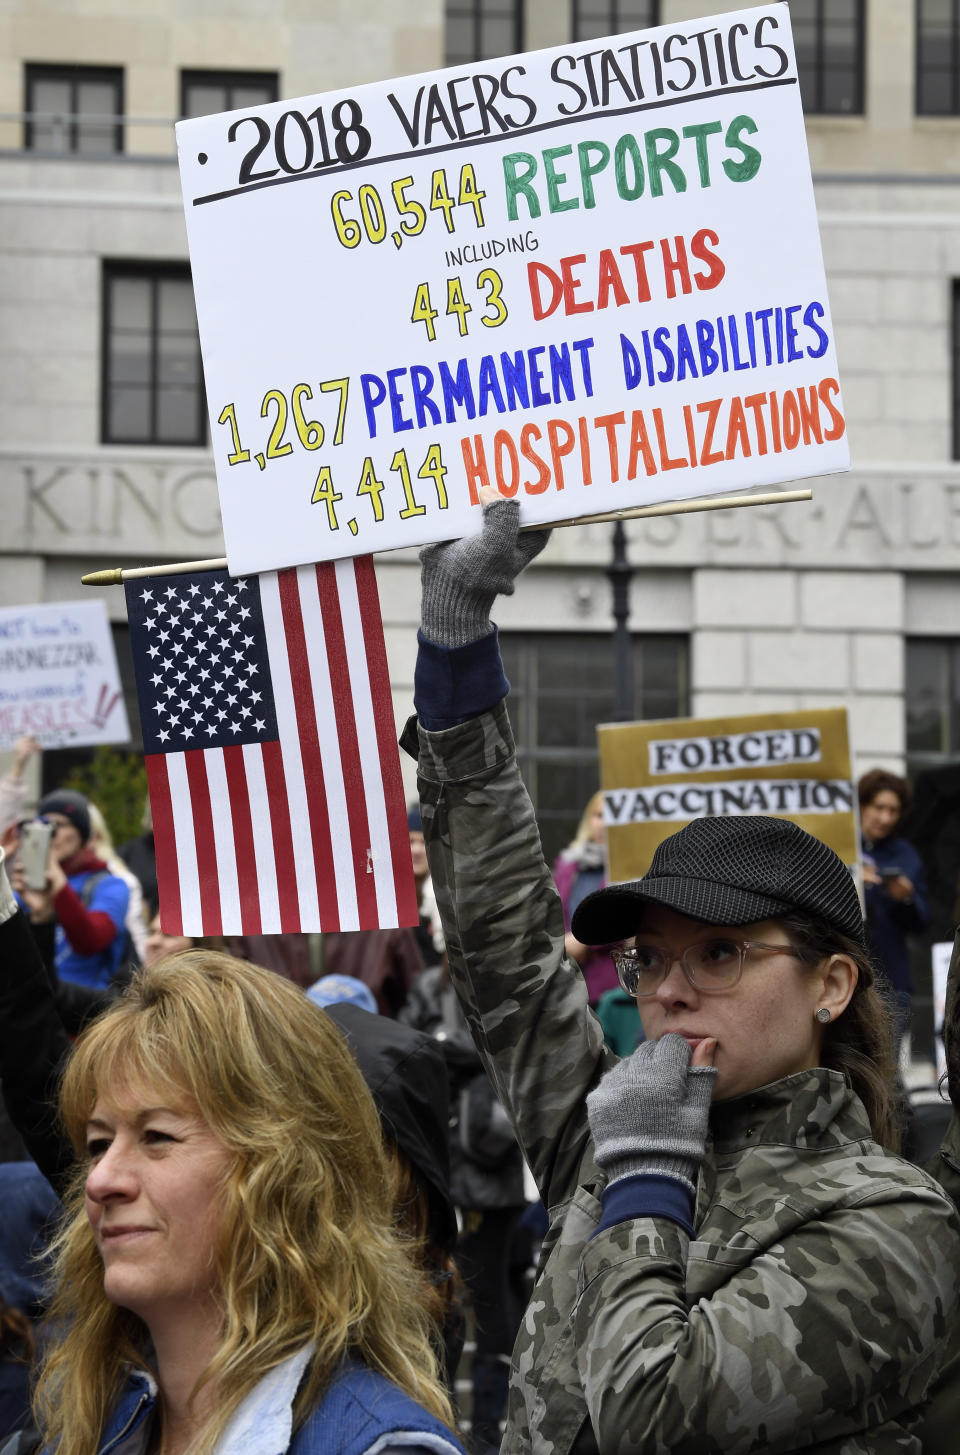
[[358, 1414]]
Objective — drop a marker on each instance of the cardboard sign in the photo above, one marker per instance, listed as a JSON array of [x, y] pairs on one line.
[[58, 676], [658, 776], [591, 275]]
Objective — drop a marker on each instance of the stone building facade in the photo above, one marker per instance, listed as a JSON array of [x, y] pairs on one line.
[[849, 600]]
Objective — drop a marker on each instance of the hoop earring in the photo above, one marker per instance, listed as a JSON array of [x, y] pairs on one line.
[[823, 1015]]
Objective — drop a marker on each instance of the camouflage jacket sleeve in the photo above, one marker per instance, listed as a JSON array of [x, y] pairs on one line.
[[525, 1002], [796, 1340]]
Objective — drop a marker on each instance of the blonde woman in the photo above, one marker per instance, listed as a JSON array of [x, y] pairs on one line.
[[226, 1278], [101, 842]]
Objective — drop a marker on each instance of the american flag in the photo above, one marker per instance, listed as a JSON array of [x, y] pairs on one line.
[[271, 752]]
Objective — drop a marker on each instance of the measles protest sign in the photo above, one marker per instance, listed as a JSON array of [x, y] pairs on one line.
[[58, 676], [590, 275], [657, 776]]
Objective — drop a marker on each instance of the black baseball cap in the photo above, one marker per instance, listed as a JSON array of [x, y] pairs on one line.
[[730, 871]]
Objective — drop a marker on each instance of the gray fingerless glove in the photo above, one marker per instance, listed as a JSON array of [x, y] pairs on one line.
[[650, 1112], [462, 579]]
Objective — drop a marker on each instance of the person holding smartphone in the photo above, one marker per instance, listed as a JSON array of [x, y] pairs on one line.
[[895, 885], [79, 900]]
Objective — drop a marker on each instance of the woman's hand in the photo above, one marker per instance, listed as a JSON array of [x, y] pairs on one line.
[[462, 579], [23, 749], [650, 1112], [900, 888]]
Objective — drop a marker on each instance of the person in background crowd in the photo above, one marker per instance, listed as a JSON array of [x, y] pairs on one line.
[[29, 1211], [736, 1259], [421, 879], [941, 1426], [932, 826], [228, 1270], [17, 1344], [135, 923], [85, 902], [487, 1184], [895, 887], [577, 872], [13, 789], [407, 1075], [619, 1018], [159, 944], [388, 961], [140, 855], [342, 990]]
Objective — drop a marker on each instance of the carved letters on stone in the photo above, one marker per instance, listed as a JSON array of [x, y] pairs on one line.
[[135, 507], [118, 505]]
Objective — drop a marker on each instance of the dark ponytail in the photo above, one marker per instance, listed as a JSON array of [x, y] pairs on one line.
[[859, 1043]]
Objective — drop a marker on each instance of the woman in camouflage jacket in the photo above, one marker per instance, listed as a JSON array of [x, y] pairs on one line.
[[769, 1280]]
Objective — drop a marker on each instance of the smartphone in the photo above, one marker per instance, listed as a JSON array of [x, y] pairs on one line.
[[34, 850], [892, 873]]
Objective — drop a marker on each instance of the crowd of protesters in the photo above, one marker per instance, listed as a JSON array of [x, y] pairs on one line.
[[292, 1209]]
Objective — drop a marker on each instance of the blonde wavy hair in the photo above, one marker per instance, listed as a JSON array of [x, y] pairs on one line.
[[582, 835], [305, 1253]]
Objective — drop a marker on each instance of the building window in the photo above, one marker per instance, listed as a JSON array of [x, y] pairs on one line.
[[152, 372], [478, 29], [203, 93], [73, 109], [828, 36], [555, 721], [594, 18], [938, 58], [932, 701]]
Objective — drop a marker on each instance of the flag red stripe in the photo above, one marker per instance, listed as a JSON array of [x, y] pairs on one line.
[[309, 748], [390, 774], [208, 878], [168, 872], [282, 834], [346, 720], [247, 882]]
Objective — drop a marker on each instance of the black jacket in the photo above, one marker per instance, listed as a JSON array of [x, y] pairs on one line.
[[407, 1076], [486, 1165], [33, 1045]]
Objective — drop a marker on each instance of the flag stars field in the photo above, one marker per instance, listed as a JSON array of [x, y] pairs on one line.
[[182, 636]]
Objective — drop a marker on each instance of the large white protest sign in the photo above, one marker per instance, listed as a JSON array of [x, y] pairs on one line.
[[58, 676], [591, 275]]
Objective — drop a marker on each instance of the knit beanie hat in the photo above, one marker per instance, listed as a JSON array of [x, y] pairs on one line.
[[72, 805]]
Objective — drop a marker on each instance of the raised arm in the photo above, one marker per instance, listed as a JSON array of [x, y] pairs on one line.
[[525, 1002]]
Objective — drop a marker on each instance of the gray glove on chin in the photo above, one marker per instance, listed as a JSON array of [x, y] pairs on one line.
[[462, 579], [650, 1112]]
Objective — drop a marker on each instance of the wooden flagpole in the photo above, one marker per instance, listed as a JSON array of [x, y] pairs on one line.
[[115, 575]]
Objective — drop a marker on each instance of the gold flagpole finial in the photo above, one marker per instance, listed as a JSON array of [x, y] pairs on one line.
[[113, 577]]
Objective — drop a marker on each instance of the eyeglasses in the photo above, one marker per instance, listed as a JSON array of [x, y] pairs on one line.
[[711, 965]]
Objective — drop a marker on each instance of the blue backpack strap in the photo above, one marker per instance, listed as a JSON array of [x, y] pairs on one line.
[[122, 951]]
